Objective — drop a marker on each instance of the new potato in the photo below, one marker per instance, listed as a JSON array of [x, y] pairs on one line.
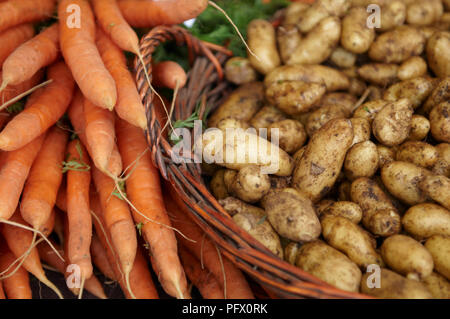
[[425, 220]]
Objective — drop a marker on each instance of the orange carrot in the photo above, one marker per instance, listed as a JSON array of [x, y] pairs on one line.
[[40, 115], [13, 174], [169, 74], [18, 285], [12, 38], [118, 221], [4, 118], [27, 59], [14, 12], [19, 241], [78, 211], [100, 258], [44, 180], [152, 13], [61, 198], [113, 23], [144, 191], [12, 91], [58, 228], [129, 105], [2, 293], [205, 281], [228, 275], [100, 134], [49, 224], [81, 54]]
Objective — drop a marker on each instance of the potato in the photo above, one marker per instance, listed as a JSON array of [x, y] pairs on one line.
[[277, 182], [330, 265], [333, 79], [317, 46], [250, 184], [437, 187], [231, 123], [420, 127], [343, 58], [209, 169], [346, 236], [242, 149], [362, 160], [394, 286], [416, 90], [392, 124], [262, 41], [398, 45], [292, 215], [379, 73], [344, 191], [446, 4], [382, 222], [322, 161], [438, 286], [291, 134], [442, 165], [218, 186], [322, 206], [424, 12], [356, 37], [440, 122], [323, 115], [386, 155], [418, 153], [361, 130], [266, 116], [239, 71], [298, 155], [402, 180], [393, 15], [319, 10], [294, 12], [407, 257], [235, 206], [425, 220], [437, 52], [228, 178], [369, 110], [413, 67], [242, 104], [439, 247], [440, 94], [357, 87], [346, 209], [288, 39], [344, 100], [291, 252]]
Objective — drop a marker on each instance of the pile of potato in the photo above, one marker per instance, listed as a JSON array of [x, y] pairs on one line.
[[364, 144]]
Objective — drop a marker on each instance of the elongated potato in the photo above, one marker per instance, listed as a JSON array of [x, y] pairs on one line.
[[393, 15], [394, 286], [228, 178], [442, 165], [330, 265], [362, 160], [266, 116], [440, 122], [402, 179], [242, 104], [407, 256], [438, 286], [319, 10], [291, 252], [323, 115], [423, 13], [413, 67], [437, 52], [291, 134], [425, 220], [232, 123], [250, 184], [346, 236], [292, 215], [356, 37], [217, 185], [382, 74], [392, 124], [420, 127], [322, 161], [439, 247], [386, 155], [342, 58], [440, 94], [436, 187], [416, 90], [238, 70], [369, 110], [294, 12], [346, 209], [288, 39], [262, 41], [361, 130], [419, 153], [344, 100]]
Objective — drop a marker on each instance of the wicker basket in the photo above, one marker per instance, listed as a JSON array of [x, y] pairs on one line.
[[205, 86]]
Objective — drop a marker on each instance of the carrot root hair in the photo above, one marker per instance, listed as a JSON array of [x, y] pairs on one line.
[[127, 281], [80, 294], [22, 95]]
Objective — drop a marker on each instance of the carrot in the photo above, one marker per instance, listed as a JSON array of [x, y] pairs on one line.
[[100, 258], [44, 180], [76, 115], [49, 224], [19, 240], [2, 293], [18, 285], [78, 211], [81, 54], [48, 256], [144, 192], [205, 281], [12, 38], [100, 134], [40, 115], [228, 275], [4, 119], [13, 91], [129, 105], [27, 59], [58, 229], [140, 282], [118, 221], [152, 13], [61, 198], [13, 174], [15, 12], [169, 74]]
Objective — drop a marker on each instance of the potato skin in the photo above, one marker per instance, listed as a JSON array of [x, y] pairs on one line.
[[292, 215], [232, 123], [294, 12], [437, 187], [242, 104], [362, 160], [407, 256], [440, 122], [440, 94], [442, 165], [342, 58], [291, 252], [392, 124], [424, 12], [419, 153], [413, 67], [381, 74], [369, 110], [416, 90], [420, 127], [344, 100], [394, 14], [323, 115], [250, 184], [356, 37], [425, 220], [438, 286], [292, 134], [262, 41], [346, 209], [322, 161], [218, 186], [330, 265], [395, 286], [361, 130], [288, 39], [439, 247], [266, 116], [238, 70], [386, 155], [437, 52]]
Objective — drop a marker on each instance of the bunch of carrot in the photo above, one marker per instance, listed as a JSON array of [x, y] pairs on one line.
[[74, 163]]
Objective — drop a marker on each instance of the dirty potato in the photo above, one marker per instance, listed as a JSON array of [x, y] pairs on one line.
[[217, 185], [381, 74], [361, 130], [346, 209], [437, 52], [424, 12], [442, 165], [250, 184], [239, 71], [319, 10], [232, 123], [438, 286], [294, 12], [362, 160], [425, 220], [394, 15], [369, 110], [288, 39], [437, 187], [386, 155], [323, 115], [420, 127], [439, 247], [342, 58], [291, 252], [416, 90], [413, 67], [344, 100], [356, 37], [291, 134], [419, 153], [266, 116], [440, 94], [440, 122]]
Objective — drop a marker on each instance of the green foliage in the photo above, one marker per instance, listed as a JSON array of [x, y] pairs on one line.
[[118, 193], [72, 164], [15, 108]]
